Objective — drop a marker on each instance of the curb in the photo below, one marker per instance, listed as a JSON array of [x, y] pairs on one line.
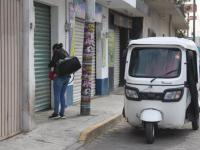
[[95, 130]]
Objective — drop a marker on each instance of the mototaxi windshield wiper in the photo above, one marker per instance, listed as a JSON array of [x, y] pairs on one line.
[[164, 74]]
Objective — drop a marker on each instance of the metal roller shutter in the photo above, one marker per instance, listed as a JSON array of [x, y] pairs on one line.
[[42, 42], [11, 67], [117, 58], [79, 36]]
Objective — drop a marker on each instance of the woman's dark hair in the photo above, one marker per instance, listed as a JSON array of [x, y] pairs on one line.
[[60, 45], [57, 46]]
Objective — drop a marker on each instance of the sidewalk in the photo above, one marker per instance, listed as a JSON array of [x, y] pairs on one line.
[[64, 134]]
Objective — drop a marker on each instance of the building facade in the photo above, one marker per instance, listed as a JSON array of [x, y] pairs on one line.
[[163, 18], [26, 49]]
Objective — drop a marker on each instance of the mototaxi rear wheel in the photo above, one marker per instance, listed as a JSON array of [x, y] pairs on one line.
[[195, 124]]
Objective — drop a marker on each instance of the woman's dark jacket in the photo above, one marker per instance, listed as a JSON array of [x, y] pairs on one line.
[[58, 54]]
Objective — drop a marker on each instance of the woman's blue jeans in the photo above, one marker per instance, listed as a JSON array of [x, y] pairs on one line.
[[60, 87]]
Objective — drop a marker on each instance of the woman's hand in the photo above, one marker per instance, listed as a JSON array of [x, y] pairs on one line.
[[52, 75]]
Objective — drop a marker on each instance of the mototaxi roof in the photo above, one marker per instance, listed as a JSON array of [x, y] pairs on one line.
[[171, 41]]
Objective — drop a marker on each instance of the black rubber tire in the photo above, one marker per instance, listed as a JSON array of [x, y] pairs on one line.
[[195, 124], [156, 129], [123, 112], [150, 132]]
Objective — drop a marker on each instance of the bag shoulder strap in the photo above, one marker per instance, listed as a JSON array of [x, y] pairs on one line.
[[72, 79]]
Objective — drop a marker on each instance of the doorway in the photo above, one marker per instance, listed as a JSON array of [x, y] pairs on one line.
[[124, 39], [42, 57]]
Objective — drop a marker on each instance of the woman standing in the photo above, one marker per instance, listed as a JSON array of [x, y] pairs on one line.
[[59, 83]]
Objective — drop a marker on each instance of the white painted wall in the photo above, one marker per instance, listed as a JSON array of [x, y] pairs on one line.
[[159, 24], [28, 70], [102, 71], [131, 2], [58, 19], [173, 33]]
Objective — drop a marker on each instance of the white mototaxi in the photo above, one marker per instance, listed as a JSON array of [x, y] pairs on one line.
[[161, 88]]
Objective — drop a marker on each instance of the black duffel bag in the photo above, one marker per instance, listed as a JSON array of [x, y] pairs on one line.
[[67, 66]]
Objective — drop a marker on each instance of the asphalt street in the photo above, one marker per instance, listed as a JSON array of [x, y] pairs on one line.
[[125, 137]]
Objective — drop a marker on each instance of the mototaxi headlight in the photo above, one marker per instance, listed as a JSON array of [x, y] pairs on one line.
[[131, 93], [173, 95]]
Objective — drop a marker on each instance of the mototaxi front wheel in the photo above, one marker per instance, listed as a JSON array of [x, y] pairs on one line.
[[150, 132]]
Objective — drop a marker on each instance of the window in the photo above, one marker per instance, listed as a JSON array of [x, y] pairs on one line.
[[155, 62]]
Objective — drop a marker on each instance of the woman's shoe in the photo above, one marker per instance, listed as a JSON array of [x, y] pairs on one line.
[[54, 116], [62, 116]]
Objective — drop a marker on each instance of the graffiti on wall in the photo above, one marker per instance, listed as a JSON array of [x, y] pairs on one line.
[[79, 6], [72, 29]]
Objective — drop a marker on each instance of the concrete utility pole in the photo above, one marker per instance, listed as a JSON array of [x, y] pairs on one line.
[[194, 19], [88, 51]]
